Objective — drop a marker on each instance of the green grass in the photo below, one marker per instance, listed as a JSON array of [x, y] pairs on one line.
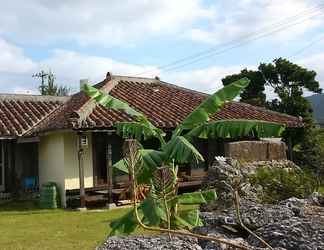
[[24, 226], [321, 189]]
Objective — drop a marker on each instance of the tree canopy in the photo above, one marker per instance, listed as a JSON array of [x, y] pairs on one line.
[[254, 93], [287, 80], [48, 85]]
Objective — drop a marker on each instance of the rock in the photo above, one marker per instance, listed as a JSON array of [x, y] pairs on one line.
[[158, 242], [317, 199], [253, 215], [293, 234], [227, 173], [223, 175]]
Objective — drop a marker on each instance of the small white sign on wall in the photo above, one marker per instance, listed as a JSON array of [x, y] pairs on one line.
[[84, 141]]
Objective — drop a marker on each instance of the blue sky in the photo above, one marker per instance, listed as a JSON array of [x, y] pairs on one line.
[[85, 39]]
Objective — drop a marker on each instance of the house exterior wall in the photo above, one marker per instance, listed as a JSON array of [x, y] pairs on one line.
[[58, 161], [71, 162], [51, 161]]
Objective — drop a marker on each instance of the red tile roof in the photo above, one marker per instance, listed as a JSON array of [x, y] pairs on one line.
[[164, 104], [20, 113]]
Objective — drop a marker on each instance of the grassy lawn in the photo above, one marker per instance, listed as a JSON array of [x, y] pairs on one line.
[[321, 190], [23, 226]]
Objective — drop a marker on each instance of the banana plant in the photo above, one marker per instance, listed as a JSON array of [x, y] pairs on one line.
[[154, 167], [179, 149], [160, 208]]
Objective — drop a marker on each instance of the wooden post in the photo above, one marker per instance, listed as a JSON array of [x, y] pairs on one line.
[[81, 172], [109, 169], [290, 150]]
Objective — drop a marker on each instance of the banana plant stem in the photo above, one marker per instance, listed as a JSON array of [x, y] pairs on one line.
[[178, 232]]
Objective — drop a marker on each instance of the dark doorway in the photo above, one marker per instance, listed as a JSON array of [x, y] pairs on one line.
[[100, 142]]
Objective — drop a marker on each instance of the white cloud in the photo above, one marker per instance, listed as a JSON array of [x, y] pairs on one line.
[[71, 66], [236, 19], [206, 80], [12, 59], [98, 22], [315, 62]]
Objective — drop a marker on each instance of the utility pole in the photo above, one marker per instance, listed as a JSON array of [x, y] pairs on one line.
[[43, 76]]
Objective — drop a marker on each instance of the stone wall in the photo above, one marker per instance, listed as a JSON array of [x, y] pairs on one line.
[[263, 150]]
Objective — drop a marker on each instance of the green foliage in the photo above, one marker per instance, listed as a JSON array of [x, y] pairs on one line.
[[138, 129], [148, 160], [50, 88], [160, 208], [289, 81], [254, 93], [320, 136], [180, 150], [236, 129], [158, 168], [279, 184], [109, 101], [212, 104], [309, 154]]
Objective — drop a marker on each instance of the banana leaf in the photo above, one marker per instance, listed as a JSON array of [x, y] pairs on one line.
[[139, 130], [149, 161], [154, 211], [131, 129], [109, 101], [187, 219], [124, 225], [181, 151], [236, 129], [212, 104], [196, 198]]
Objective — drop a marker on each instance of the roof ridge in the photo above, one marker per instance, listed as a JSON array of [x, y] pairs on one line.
[[90, 104], [266, 109], [125, 78], [4, 96], [184, 88]]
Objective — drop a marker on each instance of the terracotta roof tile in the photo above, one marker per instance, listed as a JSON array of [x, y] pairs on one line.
[[166, 105], [20, 113]]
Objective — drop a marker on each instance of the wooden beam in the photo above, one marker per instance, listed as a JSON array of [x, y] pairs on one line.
[[109, 168], [28, 139], [81, 171]]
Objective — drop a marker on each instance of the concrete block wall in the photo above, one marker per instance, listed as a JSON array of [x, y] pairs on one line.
[[263, 150]]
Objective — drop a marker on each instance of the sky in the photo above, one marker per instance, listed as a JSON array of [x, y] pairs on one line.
[[192, 43]]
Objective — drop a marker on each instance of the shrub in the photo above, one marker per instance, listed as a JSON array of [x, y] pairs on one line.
[[282, 183]]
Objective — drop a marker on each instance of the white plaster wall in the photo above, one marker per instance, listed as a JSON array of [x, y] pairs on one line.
[[71, 161], [58, 161], [51, 161]]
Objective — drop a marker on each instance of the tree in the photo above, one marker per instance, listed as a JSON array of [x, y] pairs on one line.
[[158, 168], [254, 93], [50, 88], [289, 81]]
